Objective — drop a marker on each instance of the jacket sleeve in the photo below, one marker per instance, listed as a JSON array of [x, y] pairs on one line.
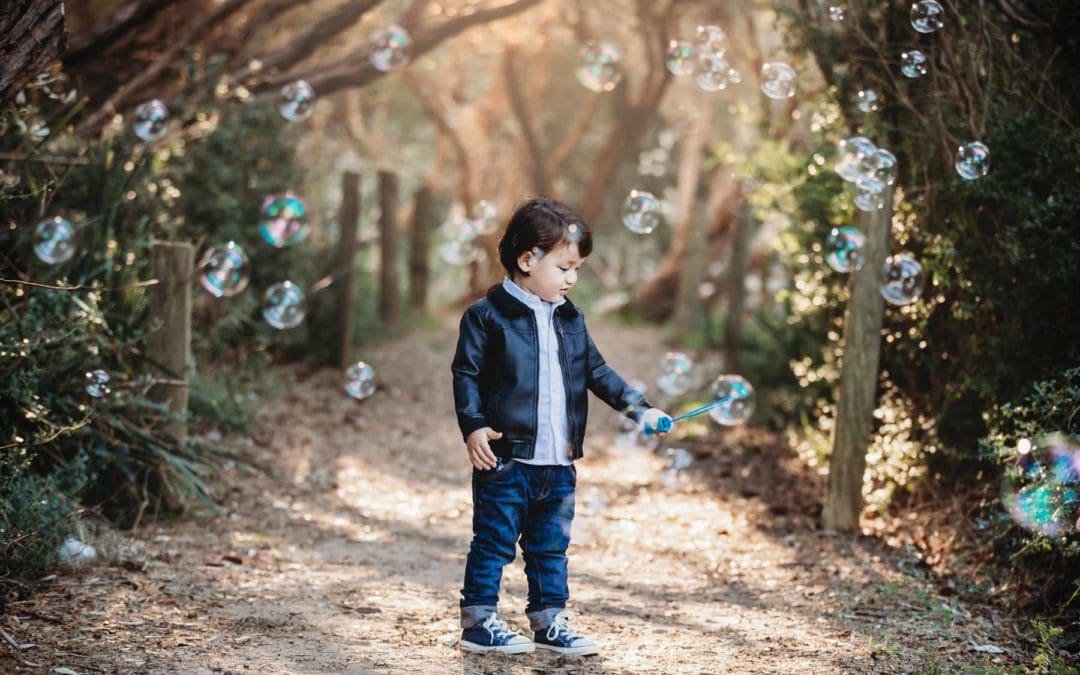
[[610, 388], [467, 366]]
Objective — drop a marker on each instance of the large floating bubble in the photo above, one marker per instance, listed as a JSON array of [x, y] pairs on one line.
[[973, 160], [713, 72], [738, 396], [868, 101], [390, 48], [711, 40], [869, 193], [675, 373], [150, 120], [927, 16], [97, 383], [600, 72], [681, 57], [852, 155], [283, 305], [778, 80], [844, 249], [54, 240], [460, 246], [283, 221], [641, 212], [224, 270], [360, 380], [836, 13], [296, 101], [885, 166], [903, 279], [678, 458], [1042, 486], [913, 64]]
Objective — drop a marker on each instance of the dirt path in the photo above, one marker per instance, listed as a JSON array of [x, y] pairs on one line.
[[346, 554]]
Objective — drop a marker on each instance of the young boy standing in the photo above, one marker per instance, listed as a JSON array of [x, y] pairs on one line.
[[522, 372]]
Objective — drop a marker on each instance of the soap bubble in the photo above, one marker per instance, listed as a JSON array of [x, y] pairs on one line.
[[97, 383], [150, 120], [390, 48], [836, 13], [711, 40], [296, 101], [738, 396], [74, 552], [641, 212], [713, 72], [778, 80], [913, 64], [681, 58], [1041, 487], [851, 157], [973, 160], [927, 16], [283, 220], [460, 245], [903, 279], [484, 216], [869, 193], [600, 72], [360, 380], [885, 166], [224, 270], [844, 249], [678, 458], [283, 305], [868, 101], [675, 372], [54, 240]]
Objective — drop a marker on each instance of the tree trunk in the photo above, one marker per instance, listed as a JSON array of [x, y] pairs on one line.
[[33, 35], [389, 296], [345, 266], [745, 225], [858, 378], [420, 252], [169, 347]]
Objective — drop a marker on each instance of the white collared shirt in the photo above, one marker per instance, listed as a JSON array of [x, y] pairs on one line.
[[552, 427]]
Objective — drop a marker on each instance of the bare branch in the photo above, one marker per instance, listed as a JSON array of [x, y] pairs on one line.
[[86, 45], [537, 167]]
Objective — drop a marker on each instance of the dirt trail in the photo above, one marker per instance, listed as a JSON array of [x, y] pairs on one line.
[[345, 554]]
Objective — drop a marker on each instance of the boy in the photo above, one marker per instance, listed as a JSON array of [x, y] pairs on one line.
[[522, 372]]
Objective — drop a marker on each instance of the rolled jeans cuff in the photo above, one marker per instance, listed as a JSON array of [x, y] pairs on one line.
[[474, 615], [541, 619]]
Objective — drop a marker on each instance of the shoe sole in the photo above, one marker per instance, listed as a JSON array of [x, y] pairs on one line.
[[570, 651], [473, 648]]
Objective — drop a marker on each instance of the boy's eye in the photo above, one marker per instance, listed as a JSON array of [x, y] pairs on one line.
[[565, 269]]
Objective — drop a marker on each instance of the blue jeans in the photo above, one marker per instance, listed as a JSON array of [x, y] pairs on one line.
[[528, 505]]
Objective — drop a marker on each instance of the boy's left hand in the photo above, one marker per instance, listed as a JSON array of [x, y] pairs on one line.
[[650, 420]]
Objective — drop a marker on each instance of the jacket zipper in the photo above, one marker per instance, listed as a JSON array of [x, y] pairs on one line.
[[566, 386], [536, 389]]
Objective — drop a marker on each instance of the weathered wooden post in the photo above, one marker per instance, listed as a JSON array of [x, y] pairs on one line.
[[169, 347], [345, 265], [858, 377], [420, 251], [389, 297], [736, 284]]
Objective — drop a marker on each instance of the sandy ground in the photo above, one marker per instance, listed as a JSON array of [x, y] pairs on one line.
[[344, 544]]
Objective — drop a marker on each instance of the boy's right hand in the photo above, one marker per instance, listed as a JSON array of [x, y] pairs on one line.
[[480, 453]]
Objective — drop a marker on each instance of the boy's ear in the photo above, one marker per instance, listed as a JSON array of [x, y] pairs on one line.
[[525, 262]]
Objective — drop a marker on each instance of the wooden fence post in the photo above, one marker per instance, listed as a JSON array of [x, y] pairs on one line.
[[389, 297], [345, 265], [858, 377], [169, 347], [420, 252]]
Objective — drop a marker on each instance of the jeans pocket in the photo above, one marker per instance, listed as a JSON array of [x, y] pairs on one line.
[[501, 470]]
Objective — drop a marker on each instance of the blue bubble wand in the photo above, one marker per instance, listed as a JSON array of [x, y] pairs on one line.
[[664, 424]]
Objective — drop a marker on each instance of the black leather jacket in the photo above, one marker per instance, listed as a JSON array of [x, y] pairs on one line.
[[497, 373]]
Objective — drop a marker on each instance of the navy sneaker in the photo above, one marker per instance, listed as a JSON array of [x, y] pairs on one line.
[[559, 638], [493, 635]]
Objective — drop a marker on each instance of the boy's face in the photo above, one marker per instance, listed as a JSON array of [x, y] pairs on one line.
[[551, 274]]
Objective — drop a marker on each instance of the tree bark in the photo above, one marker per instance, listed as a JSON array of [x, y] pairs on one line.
[[420, 250], [87, 45], [169, 347], [745, 225], [858, 377], [389, 295], [345, 266], [537, 166], [33, 35]]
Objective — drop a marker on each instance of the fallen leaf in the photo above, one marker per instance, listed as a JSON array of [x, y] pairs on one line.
[[988, 649], [64, 671]]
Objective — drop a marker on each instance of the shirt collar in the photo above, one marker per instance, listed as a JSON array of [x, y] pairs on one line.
[[530, 299]]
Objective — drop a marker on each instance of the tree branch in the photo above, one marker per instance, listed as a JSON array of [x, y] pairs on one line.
[[87, 44], [540, 179]]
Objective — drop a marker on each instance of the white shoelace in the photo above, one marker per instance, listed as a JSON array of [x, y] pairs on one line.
[[558, 625], [497, 628]]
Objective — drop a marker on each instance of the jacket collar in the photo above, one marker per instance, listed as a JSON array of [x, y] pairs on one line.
[[511, 306]]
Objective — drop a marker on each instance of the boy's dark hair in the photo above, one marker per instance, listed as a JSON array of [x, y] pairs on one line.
[[543, 223]]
